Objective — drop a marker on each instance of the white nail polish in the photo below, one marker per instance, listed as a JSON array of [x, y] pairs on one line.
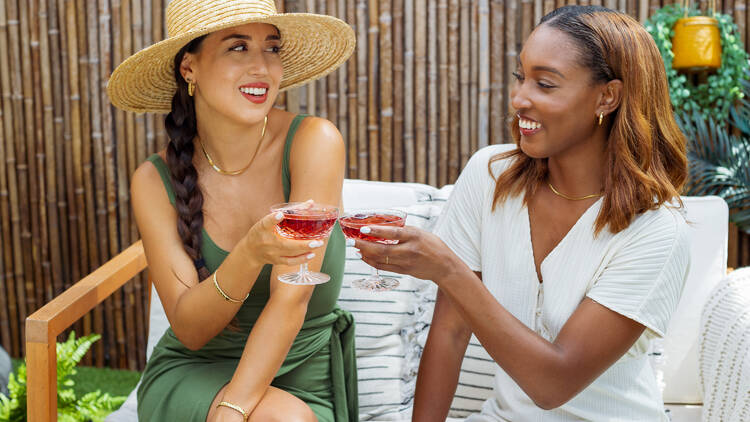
[[310, 256], [316, 243], [279, 215], [365, 230], [350, 242]]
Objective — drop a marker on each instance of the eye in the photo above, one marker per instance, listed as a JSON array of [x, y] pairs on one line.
[[275, 49], [545, 85], [238, 47], [518, 76]]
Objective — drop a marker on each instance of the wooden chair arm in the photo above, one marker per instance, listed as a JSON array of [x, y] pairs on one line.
[[44, 325]]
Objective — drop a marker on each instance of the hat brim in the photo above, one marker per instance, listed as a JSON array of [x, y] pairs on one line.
[[312, 46]]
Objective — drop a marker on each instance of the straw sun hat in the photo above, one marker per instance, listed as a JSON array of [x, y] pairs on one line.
[[311, 47]]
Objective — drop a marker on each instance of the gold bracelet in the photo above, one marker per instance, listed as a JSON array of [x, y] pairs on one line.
[[224, 295], [245, 415]]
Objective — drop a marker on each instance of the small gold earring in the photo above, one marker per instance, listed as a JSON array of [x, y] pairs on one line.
[[191, 88], [601, 116]]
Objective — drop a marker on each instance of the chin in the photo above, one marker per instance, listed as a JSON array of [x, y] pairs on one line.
[[532, 149]]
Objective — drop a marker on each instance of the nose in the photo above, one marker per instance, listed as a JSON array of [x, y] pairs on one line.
[[519, 99], [257, 65]]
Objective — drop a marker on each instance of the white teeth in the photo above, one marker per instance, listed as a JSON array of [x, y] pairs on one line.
[[528, 124], [254, 91]]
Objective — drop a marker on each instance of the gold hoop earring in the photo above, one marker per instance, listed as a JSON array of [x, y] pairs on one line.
[[601, 116], [191, 88]]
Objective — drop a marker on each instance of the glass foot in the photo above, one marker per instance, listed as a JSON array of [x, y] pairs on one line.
[[306, 278], [376, 283]]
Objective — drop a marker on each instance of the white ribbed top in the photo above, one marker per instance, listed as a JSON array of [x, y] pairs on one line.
[[638, 273]]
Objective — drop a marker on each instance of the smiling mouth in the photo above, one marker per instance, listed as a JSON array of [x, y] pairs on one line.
[[257, 92], [528, 125]]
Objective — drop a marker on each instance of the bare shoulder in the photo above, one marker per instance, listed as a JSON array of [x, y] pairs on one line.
[[147, 190], [317, 137]]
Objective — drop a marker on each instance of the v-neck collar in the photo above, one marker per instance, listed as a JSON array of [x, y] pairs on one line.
[[530, 243]]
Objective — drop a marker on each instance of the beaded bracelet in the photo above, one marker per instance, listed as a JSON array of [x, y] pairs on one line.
[[245, 415], [224, 295]]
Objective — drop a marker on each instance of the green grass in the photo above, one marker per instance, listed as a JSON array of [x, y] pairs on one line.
[[116, 382]]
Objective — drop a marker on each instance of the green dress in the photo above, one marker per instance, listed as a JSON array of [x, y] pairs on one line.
[[179, 384]]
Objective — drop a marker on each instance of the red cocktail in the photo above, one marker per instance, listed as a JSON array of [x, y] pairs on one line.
[[353, 221], [305, 221]]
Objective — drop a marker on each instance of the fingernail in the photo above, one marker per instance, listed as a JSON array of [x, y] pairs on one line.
[[279, 215], [365, 230], [350, 242], [316, 243], [310, 256]]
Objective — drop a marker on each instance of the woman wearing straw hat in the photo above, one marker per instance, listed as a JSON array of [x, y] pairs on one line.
[[284, 352]]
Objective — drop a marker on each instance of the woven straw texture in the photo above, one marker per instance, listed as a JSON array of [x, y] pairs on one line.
[[725, 350], [312, 46]]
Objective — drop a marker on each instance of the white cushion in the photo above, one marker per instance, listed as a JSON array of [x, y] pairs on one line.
[[725, 350], [708, 221]]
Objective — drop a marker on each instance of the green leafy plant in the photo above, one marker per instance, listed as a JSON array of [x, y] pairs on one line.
[[92, 406], [720, 159], [715, 97]]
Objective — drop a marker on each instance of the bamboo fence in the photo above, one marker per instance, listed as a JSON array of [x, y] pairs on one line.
[[427, 86]]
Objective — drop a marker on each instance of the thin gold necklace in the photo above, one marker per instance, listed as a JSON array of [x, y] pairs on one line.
[[562, 195], [242, 170]]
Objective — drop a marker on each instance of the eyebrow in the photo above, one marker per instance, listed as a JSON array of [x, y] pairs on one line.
[[249, 38], [548, 69]]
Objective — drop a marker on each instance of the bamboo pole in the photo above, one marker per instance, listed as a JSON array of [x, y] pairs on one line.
[[443, 96], [353, 89], [342, 74], [433, 111], [498, 109], [408, 137], [312, 93], [483, 102], [397, 142], [56, 59], [332, 80], [31, 115], [538, 12], [420, 89], [527, 21], [6, 261], [362, 159], [139, 132], [11, 129], [474, 79], [740, 18], [386, 91], [48, 161], [454, 91], [372, 91], [549, 5], [322, 84], [511, 53], [464, 76]]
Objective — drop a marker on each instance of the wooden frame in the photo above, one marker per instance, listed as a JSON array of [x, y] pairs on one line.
[[44, 325]]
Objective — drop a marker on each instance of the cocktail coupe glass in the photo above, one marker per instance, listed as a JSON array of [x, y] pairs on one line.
[[305, 221], [354, 220]]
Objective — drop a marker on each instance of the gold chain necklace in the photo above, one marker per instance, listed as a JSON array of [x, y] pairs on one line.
[[242, 170], [562, 195]]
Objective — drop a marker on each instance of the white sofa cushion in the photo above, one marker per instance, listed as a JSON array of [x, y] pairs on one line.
[[708, 221], [725, 350]]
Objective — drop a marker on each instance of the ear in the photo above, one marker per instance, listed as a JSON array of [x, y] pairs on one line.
[[187, 69], [610, 97]]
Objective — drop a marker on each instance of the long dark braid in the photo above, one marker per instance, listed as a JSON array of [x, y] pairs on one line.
[[181, 128]]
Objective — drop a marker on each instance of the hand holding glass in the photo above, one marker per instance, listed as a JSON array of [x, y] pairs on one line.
[[353, 221], [305, 221]]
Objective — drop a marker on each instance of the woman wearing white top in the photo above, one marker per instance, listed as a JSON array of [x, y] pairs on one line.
[[567, 255]]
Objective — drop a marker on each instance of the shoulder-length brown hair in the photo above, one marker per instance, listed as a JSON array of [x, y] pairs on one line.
[[646, 158]]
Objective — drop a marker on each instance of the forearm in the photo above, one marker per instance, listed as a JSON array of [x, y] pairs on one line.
[[236, 277], [265, 350], [439, 370], [539, 367]]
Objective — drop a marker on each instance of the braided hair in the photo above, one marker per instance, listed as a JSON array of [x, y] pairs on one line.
[[181, 126]]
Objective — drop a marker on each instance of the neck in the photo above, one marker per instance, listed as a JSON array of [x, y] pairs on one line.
[[230, 145], [579, 172]]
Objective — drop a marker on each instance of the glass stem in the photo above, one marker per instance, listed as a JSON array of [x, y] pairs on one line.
[[303, 268]]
